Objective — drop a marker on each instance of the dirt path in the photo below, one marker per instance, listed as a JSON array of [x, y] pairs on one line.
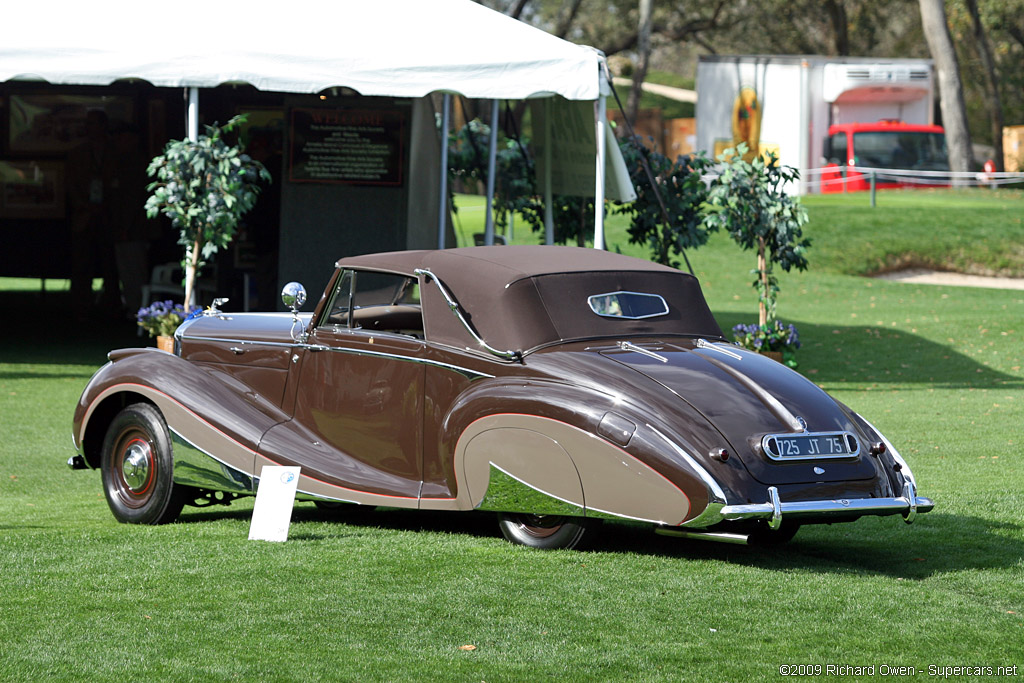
[[924, 276]]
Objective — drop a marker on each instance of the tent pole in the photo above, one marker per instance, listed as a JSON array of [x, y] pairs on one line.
[[549, 211], [442, 214], [193, 114], [492, 154], [599, 126]]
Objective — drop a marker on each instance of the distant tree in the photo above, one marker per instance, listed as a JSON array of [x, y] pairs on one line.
[[667, 215], [951, 93], [825, 27]]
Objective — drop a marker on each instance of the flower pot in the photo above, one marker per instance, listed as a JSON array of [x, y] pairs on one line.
[[165, 343], [774, 355]]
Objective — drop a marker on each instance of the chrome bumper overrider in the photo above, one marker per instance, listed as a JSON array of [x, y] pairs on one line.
[[908, 505]]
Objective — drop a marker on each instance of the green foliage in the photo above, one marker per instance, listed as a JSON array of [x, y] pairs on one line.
[[204, 187], [748, 200], [682, 192], [515, 189]]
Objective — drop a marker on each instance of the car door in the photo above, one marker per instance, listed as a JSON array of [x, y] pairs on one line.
[[358, 406]]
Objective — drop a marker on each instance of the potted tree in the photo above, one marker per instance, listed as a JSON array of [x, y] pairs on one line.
[[204, 187], [748, 200]]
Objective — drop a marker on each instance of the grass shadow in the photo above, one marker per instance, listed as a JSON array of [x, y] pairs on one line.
[[936, 543], [894, 356]]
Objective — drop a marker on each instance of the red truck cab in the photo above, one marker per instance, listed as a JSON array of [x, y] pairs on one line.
[[885, 145]]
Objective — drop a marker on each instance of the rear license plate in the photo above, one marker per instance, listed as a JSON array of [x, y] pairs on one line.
[[810, 446]]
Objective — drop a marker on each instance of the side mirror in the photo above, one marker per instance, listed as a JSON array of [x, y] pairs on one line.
[[294, 296]]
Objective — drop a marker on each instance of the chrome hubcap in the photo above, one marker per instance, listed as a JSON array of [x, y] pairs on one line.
[[135, 468], [540, 526]]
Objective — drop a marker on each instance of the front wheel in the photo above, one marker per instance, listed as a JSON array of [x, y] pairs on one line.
[[547, 532], [138, 468]]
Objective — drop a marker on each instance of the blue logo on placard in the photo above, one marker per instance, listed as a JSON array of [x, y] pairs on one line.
[[287, 477]]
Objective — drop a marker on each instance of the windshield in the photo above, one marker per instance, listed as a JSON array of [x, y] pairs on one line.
[[901, 150]]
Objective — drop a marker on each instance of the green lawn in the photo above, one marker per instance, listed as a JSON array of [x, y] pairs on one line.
[[393, 595]]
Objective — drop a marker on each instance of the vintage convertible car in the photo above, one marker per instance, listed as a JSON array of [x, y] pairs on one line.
[[556, 386]]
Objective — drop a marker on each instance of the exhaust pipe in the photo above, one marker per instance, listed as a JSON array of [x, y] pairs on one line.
[[736, 539], [77, 462]]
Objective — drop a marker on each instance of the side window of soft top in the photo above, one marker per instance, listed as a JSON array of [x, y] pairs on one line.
[[376, 301]]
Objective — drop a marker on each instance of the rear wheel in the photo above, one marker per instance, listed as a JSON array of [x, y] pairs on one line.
[[138, 468], [547, 532]]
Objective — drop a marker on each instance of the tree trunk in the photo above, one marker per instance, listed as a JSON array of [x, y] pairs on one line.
[[644, 55], [951, 92], [518, 10], [762, 274], [993, 101], [566, 19], [840, 26]]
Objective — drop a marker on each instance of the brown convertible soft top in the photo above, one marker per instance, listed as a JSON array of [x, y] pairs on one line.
[[521, 297]]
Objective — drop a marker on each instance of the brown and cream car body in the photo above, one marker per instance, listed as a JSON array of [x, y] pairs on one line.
[[553, 385]]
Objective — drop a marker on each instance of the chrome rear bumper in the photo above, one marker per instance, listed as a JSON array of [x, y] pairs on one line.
[[909, 505]]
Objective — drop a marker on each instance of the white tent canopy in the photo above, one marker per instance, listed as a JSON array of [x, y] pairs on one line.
[[398, 48], [401, 48]]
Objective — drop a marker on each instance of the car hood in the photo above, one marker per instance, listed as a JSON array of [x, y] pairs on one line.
[[254, 327], [745, 396]]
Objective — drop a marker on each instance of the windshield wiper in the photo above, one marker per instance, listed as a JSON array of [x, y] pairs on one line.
[[630, 346], [705, 344]]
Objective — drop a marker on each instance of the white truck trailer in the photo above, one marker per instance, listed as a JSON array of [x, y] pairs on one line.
[[798, 106]]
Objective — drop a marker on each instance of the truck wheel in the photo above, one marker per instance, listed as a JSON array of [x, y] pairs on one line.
[[138, 468]]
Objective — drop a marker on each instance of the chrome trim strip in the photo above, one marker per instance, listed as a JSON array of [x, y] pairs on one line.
[[630, 346], [301, 494], [717, 495], [466, 372], [243, 342], [471, 374], [816, 456], [507, 355]]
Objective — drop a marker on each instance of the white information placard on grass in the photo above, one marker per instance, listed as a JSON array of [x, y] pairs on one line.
[[275, 497]]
